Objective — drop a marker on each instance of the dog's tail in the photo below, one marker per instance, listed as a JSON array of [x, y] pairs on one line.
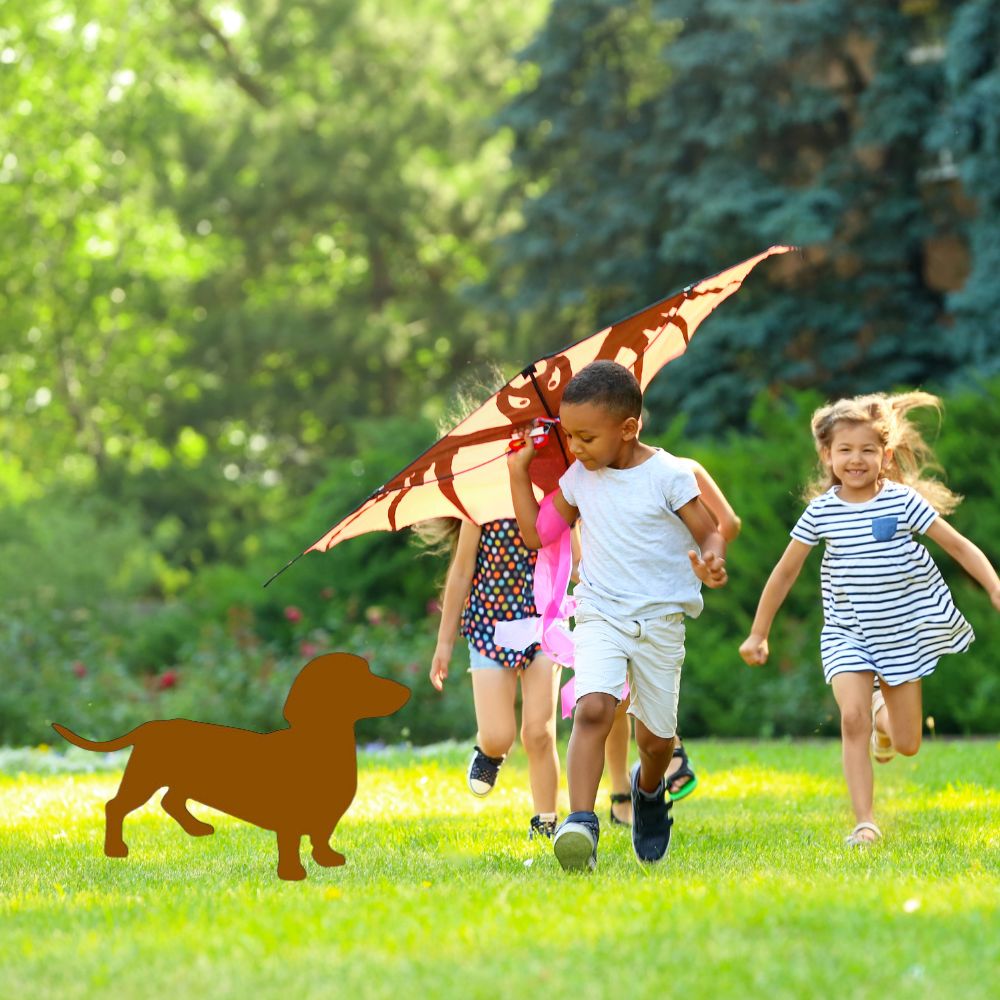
[[106, 747]]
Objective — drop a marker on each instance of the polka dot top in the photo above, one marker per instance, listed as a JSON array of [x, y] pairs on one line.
[[502, 590]]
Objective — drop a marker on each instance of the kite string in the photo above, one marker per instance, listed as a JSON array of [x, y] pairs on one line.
[[530, 372]]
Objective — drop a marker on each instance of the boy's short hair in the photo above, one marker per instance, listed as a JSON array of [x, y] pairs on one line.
[[606, 384]]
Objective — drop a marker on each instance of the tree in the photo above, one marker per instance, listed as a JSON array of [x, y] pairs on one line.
[[661, 142], [968, 133], [235, 230]]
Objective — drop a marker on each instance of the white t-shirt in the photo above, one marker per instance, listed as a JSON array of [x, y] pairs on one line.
[[634, 563]]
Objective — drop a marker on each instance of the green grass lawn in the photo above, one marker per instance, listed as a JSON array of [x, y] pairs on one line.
[[443, 894]]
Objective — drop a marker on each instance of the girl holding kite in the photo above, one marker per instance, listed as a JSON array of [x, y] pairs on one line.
[[490, 580], [888, 614]]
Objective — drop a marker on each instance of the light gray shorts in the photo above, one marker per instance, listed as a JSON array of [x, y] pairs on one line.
[[649, 654]]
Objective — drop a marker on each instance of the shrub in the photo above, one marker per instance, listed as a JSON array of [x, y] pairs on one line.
[[83, 643]]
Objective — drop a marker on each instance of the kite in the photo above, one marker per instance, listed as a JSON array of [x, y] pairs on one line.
[[464, 474]]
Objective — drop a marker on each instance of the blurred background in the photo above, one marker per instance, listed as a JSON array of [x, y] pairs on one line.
[[250, 251]]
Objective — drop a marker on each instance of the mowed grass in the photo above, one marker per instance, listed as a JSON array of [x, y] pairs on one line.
[[443, 895]]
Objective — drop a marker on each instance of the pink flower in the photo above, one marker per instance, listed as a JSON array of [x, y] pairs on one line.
[[433, 606], [79, 668], [308, 649], [167, 679], [293, 614]]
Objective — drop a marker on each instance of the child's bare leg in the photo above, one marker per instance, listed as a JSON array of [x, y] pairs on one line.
[[493, 692], [902, 716], [654, 756], [592, 721], [616, 754], [853, 692], [539, 695]]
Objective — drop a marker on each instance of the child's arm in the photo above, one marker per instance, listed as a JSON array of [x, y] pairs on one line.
[[523, 495], [785, 573], [970, 557], [456, 590], [710, 566], [574, 575], [715, 500]]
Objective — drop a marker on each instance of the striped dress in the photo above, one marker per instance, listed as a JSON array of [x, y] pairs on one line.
[[886, 607]]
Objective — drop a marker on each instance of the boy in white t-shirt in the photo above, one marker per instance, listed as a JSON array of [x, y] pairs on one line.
[[640, 576]]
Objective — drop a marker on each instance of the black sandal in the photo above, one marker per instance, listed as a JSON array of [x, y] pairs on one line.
[[616, 798], [684, 771]]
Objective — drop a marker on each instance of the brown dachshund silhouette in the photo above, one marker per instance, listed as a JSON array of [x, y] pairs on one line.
[[297, 781]]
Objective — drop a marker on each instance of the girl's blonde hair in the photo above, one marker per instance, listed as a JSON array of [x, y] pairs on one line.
[[439, 535], [887, 416]]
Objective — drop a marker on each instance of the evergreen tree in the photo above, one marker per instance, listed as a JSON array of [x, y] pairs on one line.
[[968, 134], [663, 141]]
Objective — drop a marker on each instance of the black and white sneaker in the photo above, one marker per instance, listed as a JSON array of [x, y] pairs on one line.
[[651, 821], [542, 827], [575, 842], [482, 773]]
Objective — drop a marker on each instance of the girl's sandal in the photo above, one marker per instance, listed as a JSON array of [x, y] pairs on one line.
[[616, 799], [684, 771], [855, 838], [882, 752]]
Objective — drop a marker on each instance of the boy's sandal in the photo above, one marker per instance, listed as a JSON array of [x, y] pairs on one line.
[[684, 771], [854, 838], [616, 799], [882, 753]]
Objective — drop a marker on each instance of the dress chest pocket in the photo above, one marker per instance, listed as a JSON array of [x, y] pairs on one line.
[[883, 528]]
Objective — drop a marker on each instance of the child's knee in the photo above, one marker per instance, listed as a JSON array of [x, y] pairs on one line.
[[537, 736], [650, 743], [595, 711], [908, 744], [855, 723], [495, 741]]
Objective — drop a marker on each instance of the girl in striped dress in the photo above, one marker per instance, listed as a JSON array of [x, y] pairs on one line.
[[888, 614]]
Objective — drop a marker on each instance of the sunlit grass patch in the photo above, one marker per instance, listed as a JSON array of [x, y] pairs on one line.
[[444, 895]]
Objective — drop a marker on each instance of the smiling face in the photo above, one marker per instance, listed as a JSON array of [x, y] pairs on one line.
[[856, 458], [596, 436]]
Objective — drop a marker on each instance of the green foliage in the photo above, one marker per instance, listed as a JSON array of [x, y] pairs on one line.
[[228, 647], [232, 232], [737, 124], [244, 255], [969, 134]]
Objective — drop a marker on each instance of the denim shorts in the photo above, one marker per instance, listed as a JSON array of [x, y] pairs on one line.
[[477, 661]]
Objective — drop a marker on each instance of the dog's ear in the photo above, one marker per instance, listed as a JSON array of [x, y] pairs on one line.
[[322, 685]]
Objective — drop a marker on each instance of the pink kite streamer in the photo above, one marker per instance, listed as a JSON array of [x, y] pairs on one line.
[[552, 572]]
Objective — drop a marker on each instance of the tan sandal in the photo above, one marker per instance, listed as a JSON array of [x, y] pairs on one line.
[[882, 752], [854, 838]]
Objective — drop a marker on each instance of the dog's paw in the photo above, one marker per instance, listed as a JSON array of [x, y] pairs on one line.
[[328, 858], [200, 829], [119, 850], [292, 873]]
